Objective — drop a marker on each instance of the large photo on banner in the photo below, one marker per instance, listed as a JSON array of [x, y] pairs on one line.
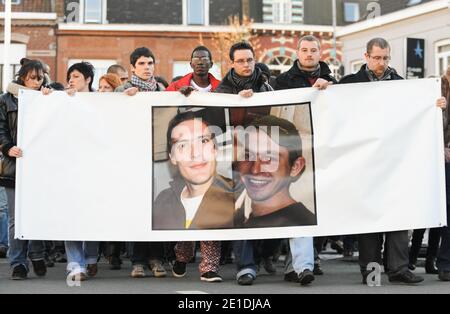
[[164, 167]]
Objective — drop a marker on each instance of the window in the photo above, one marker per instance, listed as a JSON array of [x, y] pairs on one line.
[[196, 12], [282, 11], [356, 65], [280, 64], [101, 68], [94, 11], [16, 53], [443, 56], [413, 2], [13, 2], [351, 12]]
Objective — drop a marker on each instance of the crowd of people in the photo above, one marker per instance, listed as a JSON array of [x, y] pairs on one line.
[[246, 77]]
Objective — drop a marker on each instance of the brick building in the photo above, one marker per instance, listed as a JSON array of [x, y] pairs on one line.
[[33, 35]]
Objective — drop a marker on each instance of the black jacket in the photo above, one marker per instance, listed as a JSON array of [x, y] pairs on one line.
[[227, 86], [8, 138], [294, 78], [361, 77]]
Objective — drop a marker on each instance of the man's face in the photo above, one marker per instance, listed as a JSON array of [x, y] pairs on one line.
[[244, 63], [123, 75], [378, 60], [266, 170], [194, 152], [144, 68], [308, 54], [201, 63]]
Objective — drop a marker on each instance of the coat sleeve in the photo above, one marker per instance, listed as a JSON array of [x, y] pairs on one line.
[[5, 135]]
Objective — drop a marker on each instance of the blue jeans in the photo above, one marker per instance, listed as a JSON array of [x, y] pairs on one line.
[[443, 262], [245, 261], [18, 249], [3, 219], [80, 254], [301, 257]]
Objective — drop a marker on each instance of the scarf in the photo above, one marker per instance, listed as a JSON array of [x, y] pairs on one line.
[[14, 88], [144, 86], [315, 74], [386, 76], [244, 83]]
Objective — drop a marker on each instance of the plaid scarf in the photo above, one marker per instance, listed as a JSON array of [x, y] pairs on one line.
[[244, 83], [144, 86], [386, 76]]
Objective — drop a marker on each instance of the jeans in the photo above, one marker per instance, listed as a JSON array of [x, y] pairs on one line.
[[144, 252], [443, 262], [3, 219], [245, 261], [19, 249], [301, 256], [80, 254]]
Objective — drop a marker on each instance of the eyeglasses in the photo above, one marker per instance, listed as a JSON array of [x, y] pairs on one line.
[[244, 61], [202, 59], [379, 58], [184, 147]]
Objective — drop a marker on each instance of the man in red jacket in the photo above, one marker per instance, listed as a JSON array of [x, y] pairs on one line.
[[200, 80]]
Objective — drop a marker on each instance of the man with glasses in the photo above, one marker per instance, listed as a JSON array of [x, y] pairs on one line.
[[198, 198], [243, 78], [396, 259]]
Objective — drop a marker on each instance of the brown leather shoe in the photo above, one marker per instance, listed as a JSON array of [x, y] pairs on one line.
[[92, 270]]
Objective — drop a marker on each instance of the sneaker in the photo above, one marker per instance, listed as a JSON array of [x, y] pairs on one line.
[[317, 268], [306, 277], [115, 263], [157, 269], [39, 267], [211, 277], [291, 277], [444, 275], [269, 266], [406, 277], [138, 271], [19, 273], [49, 263], [77, 276], [92, 270], [179, 269], [246, 280], [3, 252], [338, 246]]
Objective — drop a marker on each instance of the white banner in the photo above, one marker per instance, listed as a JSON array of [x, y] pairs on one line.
[[96, 167]]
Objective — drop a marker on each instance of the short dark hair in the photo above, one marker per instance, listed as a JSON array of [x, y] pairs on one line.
[[202, 48], [27, 67], [141, 52], [289, 136], [84, 68], [243, 45], [310, 38], [379, 42], [176, 121], [116, 68], [56, 86]]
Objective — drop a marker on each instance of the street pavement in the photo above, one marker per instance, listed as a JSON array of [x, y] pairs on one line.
[[341, 276]]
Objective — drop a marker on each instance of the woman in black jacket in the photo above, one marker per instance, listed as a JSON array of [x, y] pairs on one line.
[[31, 77]]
